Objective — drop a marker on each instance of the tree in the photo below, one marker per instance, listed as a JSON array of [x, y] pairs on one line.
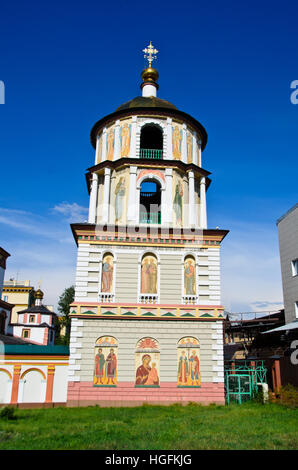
[[64, 302]]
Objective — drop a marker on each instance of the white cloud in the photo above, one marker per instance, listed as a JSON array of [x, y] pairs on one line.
[[73, 212]]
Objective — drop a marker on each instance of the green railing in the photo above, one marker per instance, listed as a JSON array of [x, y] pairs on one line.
[[150, 217], [151, 153]]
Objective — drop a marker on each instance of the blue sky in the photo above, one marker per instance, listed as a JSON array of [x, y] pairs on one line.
[[228, 63]]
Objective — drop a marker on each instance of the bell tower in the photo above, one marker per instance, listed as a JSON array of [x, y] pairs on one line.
[[147, 317]]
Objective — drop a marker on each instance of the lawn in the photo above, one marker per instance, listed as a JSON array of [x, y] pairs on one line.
[[247, 426]]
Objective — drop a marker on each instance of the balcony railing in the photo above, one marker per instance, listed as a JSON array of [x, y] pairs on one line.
[[148, 298], [151, 153], [189, 299], [150, 217], [106, 297]]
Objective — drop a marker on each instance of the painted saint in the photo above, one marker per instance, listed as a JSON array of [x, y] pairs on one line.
[[99, 367], [125, 141], [111, 367], [194, 364], [189, 148], [178, 202], [107, 274], [105, 362], [99, 150], [176, 143], [188, 370], [119, 199], [110, 144], [149, 275], [146, 375], [189, 276], [183, 368]]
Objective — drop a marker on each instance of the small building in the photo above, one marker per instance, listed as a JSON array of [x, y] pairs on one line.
[[36, 323], [18, 293], [5, 306], [288, 247]]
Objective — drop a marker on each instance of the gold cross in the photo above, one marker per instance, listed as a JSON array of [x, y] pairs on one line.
[[150, 53]]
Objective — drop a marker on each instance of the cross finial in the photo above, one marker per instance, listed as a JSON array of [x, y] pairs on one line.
[[150, 53]]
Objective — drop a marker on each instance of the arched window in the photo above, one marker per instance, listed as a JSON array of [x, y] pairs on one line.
[[107, 278], [188, 362], [151, 142], [147, 363], [150, 202], [34, 382], [105, 362]]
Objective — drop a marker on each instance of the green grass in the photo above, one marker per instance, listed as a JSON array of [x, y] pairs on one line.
[[247, 426]]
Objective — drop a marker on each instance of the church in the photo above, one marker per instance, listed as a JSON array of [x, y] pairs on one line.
[[147, 319]]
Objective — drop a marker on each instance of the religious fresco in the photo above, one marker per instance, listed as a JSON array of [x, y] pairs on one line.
[[178, 200], [125, 140], [99, 151], [105, 362], [147, 363], [189, 276], [107, 273], [188, 360], [110, 144], [120, 192], [177, 143], [149, 275], [189, 147]]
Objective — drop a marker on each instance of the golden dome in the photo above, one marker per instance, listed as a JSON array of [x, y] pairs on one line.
[[149, 75], [39, 294]]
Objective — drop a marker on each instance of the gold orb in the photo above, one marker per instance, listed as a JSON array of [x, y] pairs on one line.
[[149, 75]]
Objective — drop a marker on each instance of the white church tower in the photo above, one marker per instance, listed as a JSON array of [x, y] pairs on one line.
[[147, 317]]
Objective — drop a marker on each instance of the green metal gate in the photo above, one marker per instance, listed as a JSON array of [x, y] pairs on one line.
[[242, 379]]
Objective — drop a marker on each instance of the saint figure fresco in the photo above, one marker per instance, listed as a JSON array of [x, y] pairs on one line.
[[125, 140], [105, 362], [119, 199], [99, 149], [107, 274], [189, 276], [189, 148], [176, 143], [178, 202], [188, 363], [110, 144], [149, 275], [147, 363]]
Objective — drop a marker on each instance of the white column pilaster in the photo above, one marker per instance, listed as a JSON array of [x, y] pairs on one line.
[[93, 199], [106, 196], [169, 155], [194, 150], [97, 149], [184, 144], [200, 152], [104, 144], [168, 204], [117, 140], [133, 140], [191, 204], [132, 201], [203, 209]]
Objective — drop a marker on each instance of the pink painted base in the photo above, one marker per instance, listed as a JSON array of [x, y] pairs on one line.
[[125, 394]]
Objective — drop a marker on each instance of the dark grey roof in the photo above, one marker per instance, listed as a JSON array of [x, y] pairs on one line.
[[37, 309], [287, 213], [6, 339]]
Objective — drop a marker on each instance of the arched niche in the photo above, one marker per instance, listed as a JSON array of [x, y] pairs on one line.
[[105, 362]]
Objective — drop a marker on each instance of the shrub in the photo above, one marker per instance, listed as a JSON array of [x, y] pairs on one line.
[[8, 413], [288, 395]]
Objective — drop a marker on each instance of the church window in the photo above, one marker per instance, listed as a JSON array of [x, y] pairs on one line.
[[147, 363], [31, 318], [150, 202], [188, 362], [105, 362], [25, 333], [151, 142]]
